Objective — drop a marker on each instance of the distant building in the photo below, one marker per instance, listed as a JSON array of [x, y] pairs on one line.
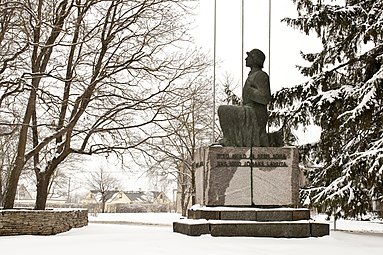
[[127, 201], [26, 198], [23, 195]]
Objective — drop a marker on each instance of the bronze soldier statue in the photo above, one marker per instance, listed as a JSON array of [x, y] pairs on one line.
[[245, 125]]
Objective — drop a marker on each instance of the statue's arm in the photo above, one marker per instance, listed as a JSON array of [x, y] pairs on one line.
[[259, 91]]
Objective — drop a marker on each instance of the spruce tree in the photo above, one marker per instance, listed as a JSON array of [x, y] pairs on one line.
[[344, 96]]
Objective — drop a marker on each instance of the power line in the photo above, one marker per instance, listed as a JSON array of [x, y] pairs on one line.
[[242, 36], [214, 67], [269, 39], [268, 127]]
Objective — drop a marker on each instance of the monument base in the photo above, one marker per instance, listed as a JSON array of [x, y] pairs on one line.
[[243, 176], [232, 183], [255, 222]]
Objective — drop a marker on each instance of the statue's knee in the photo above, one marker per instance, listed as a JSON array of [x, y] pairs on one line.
[[223, 109], [264, 140], [219, 111]]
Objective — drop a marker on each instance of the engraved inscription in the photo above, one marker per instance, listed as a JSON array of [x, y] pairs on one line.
[[253, 160]]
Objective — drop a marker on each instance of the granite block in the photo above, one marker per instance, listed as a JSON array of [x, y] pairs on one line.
[[194, 214], [242, 176], [274, 215], [301, 214], [261, 229], [249, 213], [210, 215], [191, 228], [319, 229], [250, 221], [204, 214], [276, 183], [239, 215]]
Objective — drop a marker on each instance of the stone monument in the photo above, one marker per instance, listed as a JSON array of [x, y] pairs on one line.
[[247, 184], [243, 176]]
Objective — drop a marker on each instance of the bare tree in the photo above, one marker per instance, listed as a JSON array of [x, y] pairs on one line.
[[98, 72], [103, 183], [189, 125], [6, 158], [229, 85], [13, 44]]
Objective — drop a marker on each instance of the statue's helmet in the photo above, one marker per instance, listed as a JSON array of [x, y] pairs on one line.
[[258, 57]]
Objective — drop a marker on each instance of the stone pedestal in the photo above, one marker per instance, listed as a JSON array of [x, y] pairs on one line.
[[235, 184], [242, 176], [256, 222]]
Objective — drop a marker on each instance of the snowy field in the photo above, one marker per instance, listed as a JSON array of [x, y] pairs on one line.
[[152, 233]]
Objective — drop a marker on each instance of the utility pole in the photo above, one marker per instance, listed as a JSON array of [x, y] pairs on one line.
[[68, 198]]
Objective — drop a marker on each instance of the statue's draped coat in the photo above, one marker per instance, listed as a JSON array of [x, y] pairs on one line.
[[245, 126]]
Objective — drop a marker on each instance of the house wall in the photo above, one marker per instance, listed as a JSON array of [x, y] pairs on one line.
[[125, 201], [137, 208], [120, 198], [41, 222], [161, 199]]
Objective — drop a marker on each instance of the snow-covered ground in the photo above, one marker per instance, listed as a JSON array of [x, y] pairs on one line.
[[152, 233]]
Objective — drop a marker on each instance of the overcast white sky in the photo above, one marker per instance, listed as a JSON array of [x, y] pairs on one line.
[[286, 43]]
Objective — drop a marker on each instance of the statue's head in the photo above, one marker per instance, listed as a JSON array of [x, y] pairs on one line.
[[257, 56]]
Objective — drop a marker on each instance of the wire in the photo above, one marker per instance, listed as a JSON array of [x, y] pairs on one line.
[[268, 126], [214, 68], [269, 39], [242, 36]]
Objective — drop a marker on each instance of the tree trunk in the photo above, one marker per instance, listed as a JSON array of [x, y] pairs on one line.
[[183, 200], [14, 176], [193, 192], [103, 207], [42, 190], [1, 184], [44, 178], [13, 179], [103, 201]]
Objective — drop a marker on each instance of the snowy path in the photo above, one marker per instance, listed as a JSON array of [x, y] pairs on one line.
[[97, 239], [129, 239]]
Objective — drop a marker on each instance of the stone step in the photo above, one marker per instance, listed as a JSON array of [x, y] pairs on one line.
[[249, 214], [284, 229]]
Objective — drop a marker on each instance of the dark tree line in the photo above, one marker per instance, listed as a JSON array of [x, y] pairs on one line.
[[344, 96]]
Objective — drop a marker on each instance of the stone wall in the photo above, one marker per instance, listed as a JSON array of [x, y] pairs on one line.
[[41, 222]]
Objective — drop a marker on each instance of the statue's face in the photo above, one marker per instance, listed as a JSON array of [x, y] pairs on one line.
[[255, 58], [249, 61]]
